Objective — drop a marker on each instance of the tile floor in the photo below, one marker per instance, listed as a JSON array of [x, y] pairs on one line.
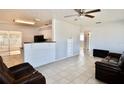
[[12, 60], [75, 70]]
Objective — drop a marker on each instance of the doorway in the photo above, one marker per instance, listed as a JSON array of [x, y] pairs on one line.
[[85, 39]]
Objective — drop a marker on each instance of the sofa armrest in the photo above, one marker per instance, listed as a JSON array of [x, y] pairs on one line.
[[33, 78], [20, 68], [107, 66]]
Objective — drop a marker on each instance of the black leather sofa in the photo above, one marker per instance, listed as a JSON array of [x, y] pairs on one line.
[[20, 74], [100, 53], [111, 69]]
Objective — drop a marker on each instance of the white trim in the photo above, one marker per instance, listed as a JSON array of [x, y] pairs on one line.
[[65, 57], [53, 30]]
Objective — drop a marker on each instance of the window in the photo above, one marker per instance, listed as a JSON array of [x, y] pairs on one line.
[[10, 42]]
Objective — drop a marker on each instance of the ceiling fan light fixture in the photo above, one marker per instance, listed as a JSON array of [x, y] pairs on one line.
[[24, 22], [81, 16]]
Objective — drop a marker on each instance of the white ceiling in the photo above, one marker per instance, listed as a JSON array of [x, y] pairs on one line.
[[107, 15]]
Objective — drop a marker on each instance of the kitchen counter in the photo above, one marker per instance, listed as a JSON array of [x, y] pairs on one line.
[[40, 42]]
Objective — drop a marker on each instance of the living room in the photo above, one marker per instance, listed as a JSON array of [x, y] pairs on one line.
[[49, 40], [96, 68]]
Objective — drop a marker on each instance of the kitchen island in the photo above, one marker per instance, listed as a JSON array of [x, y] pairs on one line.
[[40, 53]]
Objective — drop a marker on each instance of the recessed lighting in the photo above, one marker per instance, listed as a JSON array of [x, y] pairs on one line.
[[98, 22], [75, 19], [37, 19]]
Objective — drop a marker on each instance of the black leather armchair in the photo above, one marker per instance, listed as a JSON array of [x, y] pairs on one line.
[[20, 74], [110, 72]]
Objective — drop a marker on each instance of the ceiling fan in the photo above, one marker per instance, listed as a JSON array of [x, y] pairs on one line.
[[82, 12]]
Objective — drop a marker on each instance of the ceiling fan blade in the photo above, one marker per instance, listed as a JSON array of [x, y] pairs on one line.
[[90, 16], [92, 11], [71, 15]]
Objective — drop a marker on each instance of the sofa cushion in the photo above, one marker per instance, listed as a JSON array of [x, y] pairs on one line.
[[110, 60], [114, 55]]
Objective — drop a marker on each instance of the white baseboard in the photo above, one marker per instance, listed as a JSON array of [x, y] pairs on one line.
[[58, 60], [65, 57]]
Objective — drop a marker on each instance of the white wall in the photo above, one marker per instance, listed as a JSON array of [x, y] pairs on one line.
[[109, 36], [47, 32], [28, 32], [64, 31]]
